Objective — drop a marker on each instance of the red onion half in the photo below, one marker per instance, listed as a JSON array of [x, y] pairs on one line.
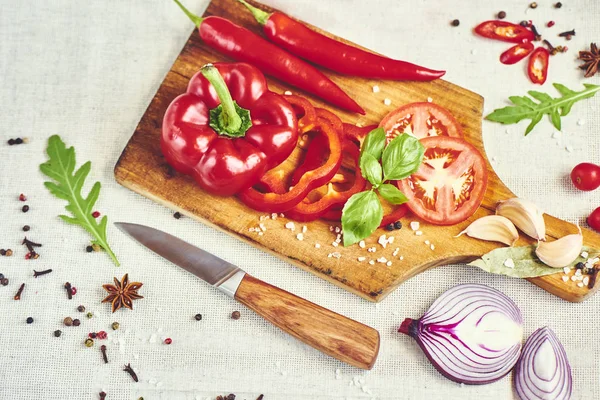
[[471, 334], [543, 372]]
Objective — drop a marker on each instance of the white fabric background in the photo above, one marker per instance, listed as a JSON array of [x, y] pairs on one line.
[[87, 70]]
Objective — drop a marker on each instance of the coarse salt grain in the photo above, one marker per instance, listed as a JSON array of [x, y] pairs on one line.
[[429, 100], [274, 216], [427, 242], [262, 227], [317, 246], [330, 228], [281, 215], [382, 241], [335, 244], [418, 233], [414, 225], [335, 254], [578, 272], [509, 263], [556, 135], [362, 244], [372, 250], [389, 263], [291, 226], [372, 262], [432, 247], [565, 278], [260, 233], [337, 229], [375, 89], [401, 258], [250, 229], [382, 260], [567, 270], [395, 253], [580, 284], [569, 148], [391, 239], [300, 236], [361, 259], [573, 278], [387, 102], [304, 228], [586, 280], [584, 254]]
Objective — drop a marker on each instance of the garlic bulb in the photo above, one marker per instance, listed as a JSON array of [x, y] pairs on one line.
[[494, 228], [561, 252], [525, 215]]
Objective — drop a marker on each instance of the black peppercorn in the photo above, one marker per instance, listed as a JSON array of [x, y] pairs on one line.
[[558, 5], [11, 142], [235, 315], [25, 208], [93, 335], [501, 15], [29, 320], [524, 24], [57, 333], [2, 252], [177, 215], [76, 322], [579, 265], [398, 225], [26, 228], [89, 249], [389, 227], [1, 276], [4, 281], [18, 141], [198, 317], [81, 308], [455, 22]]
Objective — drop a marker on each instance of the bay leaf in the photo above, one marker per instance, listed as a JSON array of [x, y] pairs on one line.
[[527, 264]]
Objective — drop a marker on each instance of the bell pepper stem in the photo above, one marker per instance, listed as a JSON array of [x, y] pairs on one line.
[[195, 19], [228, 118], [260, 15]]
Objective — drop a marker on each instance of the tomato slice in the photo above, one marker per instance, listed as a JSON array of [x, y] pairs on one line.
[[537, 68], [450, 184], [516, 53], [420, 120]]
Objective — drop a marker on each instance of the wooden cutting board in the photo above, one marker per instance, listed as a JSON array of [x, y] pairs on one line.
[[142, 168]]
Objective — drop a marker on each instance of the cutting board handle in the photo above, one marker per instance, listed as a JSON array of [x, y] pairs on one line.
[[333, 334]]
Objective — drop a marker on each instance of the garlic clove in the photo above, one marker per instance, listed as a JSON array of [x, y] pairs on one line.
[[561, 252], [525, 215], [493, 228]]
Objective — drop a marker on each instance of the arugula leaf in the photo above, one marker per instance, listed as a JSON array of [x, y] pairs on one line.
[[525, 108], [373, 145], [527, 264], [371, 170], [68, 185], [402, 157], [392, 194], [361, 216]]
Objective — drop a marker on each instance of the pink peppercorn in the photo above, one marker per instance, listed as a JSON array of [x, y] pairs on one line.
[[550, 24], [168, 341], [96, 214], [73, 291], [22, 197], [102, 335]]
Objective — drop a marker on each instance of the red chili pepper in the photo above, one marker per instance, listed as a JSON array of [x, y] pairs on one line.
[[304, 42], [538, 65], [228, 145], [243, 45], [516, 53], [275, 202], [504, 31]]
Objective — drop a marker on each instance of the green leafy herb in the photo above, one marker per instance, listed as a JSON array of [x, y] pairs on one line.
[[363, 212], [392, 194], [526, 108], [402, 157], [60, 167], [527, 265]]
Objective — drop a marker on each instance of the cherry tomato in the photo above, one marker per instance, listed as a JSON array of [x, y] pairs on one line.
[[516, 53], [420, 120], [537, 68], [594, 219], [450, 184], [504, 31], [586, 176]]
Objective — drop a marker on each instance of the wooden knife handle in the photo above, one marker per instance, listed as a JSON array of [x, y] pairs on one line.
[[333, 334]]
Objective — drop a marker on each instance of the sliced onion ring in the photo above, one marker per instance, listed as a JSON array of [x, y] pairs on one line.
[[472, 334], [543, 372]]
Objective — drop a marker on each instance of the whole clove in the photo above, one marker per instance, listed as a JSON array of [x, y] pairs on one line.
[[593, 277], [131, 372], [260, 397], [69, 289], [40, 273], [19, 292], [538, 37], [567, 34], [103, 350]]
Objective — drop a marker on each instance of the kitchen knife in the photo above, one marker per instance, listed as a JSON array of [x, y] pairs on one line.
[[333, 334]]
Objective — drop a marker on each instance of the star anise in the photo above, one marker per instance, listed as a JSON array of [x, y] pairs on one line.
[[591, 60], [122, 293]]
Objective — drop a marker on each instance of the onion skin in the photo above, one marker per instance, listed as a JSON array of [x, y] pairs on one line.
[[471, 334], [529, 380]]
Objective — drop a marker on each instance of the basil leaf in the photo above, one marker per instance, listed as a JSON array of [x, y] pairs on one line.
[[392, 194], [361, 216], [402, 157], [525, 108], [371, 170], [373, 145], [527, 265]]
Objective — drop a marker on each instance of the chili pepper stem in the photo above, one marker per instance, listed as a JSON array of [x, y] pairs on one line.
[[193, 17], [228, 118], [260, 15]]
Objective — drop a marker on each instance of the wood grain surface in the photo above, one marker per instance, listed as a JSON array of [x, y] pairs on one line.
[[142, 168], [333, 334]]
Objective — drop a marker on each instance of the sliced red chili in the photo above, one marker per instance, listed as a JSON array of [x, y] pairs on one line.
[[504, 31], [538, 65], [516, 53], [275, 202]]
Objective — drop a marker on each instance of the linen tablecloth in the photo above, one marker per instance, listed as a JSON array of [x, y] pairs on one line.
[[87, 70]]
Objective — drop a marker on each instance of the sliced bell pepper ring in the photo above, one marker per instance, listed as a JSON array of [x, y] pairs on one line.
[[309, 211], [357, 133], [305, 112], [537, 68], [399, 212], [516, 53], [276, 202], [334, 214], [504, 31]]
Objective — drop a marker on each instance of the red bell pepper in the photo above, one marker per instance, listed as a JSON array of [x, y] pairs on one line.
[[332, 54], [504, 31], [537, 69], [282, 202], [516, 53], [228, 129], [305, 112], [244, 45]]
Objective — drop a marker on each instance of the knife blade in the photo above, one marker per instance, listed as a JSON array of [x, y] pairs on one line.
[[340, 337]]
